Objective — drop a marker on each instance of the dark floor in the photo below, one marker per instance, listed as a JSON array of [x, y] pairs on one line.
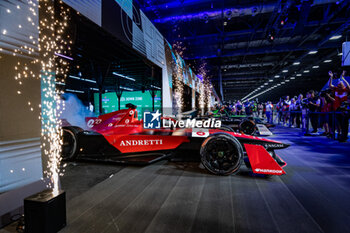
[[79, 177], [183, 197]]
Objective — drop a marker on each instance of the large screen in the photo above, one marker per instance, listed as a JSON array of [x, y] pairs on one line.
[[143, 101]]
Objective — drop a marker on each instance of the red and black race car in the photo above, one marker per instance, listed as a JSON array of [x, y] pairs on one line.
[[120, 137]]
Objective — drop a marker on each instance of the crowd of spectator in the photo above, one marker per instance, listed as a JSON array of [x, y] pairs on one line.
[[328, 109]]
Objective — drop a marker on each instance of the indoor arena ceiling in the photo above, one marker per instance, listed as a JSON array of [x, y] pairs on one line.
[[256, 45]]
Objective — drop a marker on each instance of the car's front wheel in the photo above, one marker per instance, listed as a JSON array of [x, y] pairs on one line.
[[221, 154]]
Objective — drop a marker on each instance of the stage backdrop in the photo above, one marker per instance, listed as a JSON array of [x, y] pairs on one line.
[[125, 20]]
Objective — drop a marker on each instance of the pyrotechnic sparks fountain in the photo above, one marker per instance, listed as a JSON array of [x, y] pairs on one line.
[[210, 88], [202, 98], [54, 69], [179, 87], [208, 94], [205, 93], [178, 81], [204, 86], [52, 41]]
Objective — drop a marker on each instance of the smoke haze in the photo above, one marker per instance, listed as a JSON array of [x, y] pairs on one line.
[[75, 111]]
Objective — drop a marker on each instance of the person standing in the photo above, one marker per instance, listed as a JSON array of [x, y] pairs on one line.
[[292, 111], [239, 107], [324, 117], [314, 104], [344, 124], [279, 106], [260, 110], [248, 108], [269, 109], [331, 127], [298, 103], [285, 109], [254, 108], [341, 92]]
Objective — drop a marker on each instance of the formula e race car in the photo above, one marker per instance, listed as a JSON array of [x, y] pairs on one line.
[[120, 137], [245, 124]]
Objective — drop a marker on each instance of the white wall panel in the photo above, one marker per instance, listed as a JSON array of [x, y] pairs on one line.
[[155, 51], [138, 39], [20, 163], [17, 24], [92, 9], [154, 42]]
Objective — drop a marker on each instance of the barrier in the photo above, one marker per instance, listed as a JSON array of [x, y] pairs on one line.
[[304, 119]]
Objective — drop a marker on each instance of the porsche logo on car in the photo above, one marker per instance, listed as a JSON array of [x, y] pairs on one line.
[[153, 142]]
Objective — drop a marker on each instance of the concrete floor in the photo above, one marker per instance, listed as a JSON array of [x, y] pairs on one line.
[[183, 197]]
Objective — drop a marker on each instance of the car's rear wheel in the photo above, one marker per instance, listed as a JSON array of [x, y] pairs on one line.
[[247, 127], [221, 154], [70, 142]]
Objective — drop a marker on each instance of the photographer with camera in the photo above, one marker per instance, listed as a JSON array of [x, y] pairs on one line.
[[341, 91]]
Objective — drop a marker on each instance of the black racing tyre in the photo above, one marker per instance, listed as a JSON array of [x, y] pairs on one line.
[[226, 128], [70, 142], [221, 154], [247, 127]]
